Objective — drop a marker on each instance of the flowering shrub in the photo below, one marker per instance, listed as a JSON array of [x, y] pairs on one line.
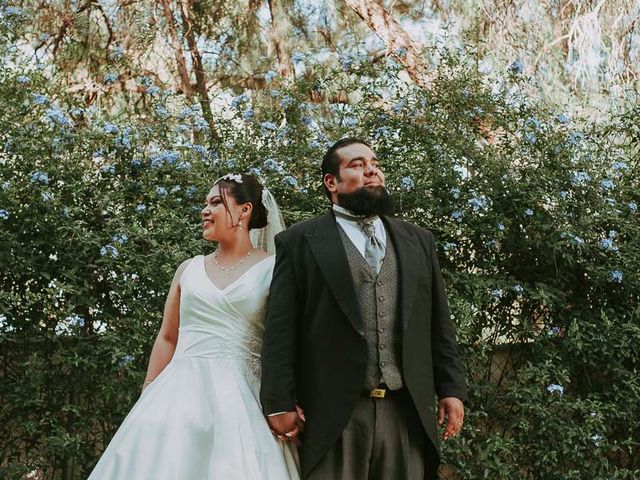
[[535, 216]]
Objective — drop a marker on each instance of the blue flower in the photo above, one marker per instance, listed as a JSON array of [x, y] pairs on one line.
[[615, 276], [578, 240], [517, 67], [518, 289], [108, 169], [268, 126], [531, 138], [575, 137], [607, 244], [120, 238], [4, 215], [110, 78], [448, 246], [562, 118], [297, 57], [117, 52], [619, 166], [40, 177], [75, 321], [271, 164], [12, 11], [247, 114], [6, 185], [554, 387], [350, 122], [501, 227], [191, 190], [633, 207], [141, 207], [291, 181], [564, 195], [161, 192], [127, 359], [287, 101], [597, 439], [580, 178], [110, 128], [407, 183], [607, 184], [23, 79], [77, 112], [478, 203], [306, 120], [162, 112], [166, 156], [40, 99], [270, 75], [528, 212], [497, 293], [43, 37], [235, 103], [175, 188], [345, 62], [381, 132], [145, 81], [109, 250], [457, 215], [400, 52], [153, 90], [183, 166], [455, 192], [613, 233], [398, 106], [554, 331]]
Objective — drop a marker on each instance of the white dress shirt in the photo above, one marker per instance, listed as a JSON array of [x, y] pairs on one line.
[[355, 233]]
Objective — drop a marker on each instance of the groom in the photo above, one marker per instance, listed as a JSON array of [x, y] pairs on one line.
[[358, 335]]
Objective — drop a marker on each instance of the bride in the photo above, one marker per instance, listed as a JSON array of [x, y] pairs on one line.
[[199, 416]]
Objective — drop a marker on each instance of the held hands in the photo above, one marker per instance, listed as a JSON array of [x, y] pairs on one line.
[[286, 426], [453, 409]]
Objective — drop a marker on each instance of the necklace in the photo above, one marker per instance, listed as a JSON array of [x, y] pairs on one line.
[[228, 270]]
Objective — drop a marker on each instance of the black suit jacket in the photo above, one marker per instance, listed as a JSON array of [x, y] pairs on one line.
[[314, 352]]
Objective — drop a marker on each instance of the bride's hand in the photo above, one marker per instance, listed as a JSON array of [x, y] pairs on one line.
[[286, 426]]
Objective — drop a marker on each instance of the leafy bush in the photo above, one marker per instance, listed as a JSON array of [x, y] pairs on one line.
[[535, 216]]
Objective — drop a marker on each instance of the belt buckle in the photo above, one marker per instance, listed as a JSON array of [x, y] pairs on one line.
[[378, 393]]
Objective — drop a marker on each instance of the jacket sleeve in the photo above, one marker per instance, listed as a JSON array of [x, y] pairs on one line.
[[277, 391], [447, 367]]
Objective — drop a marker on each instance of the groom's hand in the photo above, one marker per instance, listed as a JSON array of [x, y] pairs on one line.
[[287, 425], [453, 409]]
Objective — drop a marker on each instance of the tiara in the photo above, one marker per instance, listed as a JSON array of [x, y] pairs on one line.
[[231, 177]]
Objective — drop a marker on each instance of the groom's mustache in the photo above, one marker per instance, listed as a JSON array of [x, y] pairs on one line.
[[367, 201]]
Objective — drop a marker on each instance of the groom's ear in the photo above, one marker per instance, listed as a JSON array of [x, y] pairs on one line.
[[330, 182]]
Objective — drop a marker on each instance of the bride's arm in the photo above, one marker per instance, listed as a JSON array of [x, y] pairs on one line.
[[165, 344]]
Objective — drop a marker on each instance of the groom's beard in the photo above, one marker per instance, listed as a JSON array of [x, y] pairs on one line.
[[367, 201]]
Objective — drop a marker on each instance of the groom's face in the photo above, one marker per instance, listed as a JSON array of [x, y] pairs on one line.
[[359, 168]]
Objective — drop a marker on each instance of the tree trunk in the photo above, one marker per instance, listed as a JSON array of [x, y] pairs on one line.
[[397, 40], [201, 81], [177, 48], [280, 28]]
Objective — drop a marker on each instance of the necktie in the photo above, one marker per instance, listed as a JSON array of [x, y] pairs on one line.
[[374, 250]]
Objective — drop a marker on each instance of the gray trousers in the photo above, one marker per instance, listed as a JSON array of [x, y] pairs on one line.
[[383, 440]]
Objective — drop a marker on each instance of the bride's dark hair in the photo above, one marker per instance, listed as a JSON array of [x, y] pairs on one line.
[[247, 191]]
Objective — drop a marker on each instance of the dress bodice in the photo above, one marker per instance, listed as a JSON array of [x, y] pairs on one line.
[[225, 324]]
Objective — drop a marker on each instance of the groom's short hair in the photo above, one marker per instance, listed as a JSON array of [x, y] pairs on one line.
[[331, 159]]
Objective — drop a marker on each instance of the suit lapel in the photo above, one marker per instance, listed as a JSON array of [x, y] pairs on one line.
[[408, 255], [330, 255]]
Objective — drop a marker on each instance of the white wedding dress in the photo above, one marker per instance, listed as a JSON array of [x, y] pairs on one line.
[[201, 419]]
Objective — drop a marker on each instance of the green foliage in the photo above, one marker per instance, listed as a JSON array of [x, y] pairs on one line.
[[535, 217]]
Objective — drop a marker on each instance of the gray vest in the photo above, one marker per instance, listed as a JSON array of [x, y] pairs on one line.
[[378, 299]]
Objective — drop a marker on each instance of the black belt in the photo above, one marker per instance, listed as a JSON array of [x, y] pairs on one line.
[[382, 391]]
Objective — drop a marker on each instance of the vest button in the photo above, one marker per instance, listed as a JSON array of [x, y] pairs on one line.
[[382, 346], [383, 363]]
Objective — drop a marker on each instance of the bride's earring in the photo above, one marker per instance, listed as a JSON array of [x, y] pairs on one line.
[[240, 226]]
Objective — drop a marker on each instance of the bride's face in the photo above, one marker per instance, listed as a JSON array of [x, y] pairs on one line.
[[217, 221]]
